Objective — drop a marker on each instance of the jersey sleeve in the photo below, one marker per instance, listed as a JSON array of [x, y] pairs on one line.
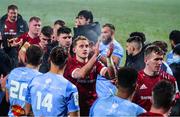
[[28, 95], [70, 67], [99, 67], [140, 110], [118, 51], [7, 83], [72, 98]]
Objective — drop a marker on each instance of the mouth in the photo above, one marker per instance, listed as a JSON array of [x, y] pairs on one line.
[[85, 53], [158, 67], [68, 45]]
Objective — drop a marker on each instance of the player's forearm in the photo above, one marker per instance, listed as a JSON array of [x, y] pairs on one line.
[[74, 114], [111, 69], [103, 60], [81, 73], [28, 109]]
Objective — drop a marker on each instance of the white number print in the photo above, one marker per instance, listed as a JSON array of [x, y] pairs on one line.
[[76, 98], [16, 90], [46, 102]]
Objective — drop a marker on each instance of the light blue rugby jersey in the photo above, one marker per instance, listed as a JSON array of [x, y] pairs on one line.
[[103, 86], [169, 57], [52, 95], [17, 83], [115, 106]]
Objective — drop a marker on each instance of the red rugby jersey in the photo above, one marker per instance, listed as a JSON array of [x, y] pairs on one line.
[[150, 114], [10, 28], [85, 86], [27, 38], [145, 86]]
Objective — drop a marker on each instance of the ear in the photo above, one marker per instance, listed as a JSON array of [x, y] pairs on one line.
[[112, 33], [145, 59], [173, 103], [74, 50], [133, 48], [88, 20]]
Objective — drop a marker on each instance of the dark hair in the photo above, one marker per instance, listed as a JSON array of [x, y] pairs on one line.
[[127, 78], [86, 14], [59, 22], [140, 34], [58, 56], [135, 39], [162, 44], [153, 48], [47, 31], [163, 94], [34, 18], [111, 26], [176, 50], [63, 30], [12, 7], [34, 55], [77, 39], [175, 36]]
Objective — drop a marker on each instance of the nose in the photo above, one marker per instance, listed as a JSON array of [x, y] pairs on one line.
[[160, 62]]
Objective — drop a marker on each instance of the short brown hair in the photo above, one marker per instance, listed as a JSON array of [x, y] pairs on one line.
[[162, 44], [34, 18], [153, 48], [111, 26], [79, 38], [12, 7]]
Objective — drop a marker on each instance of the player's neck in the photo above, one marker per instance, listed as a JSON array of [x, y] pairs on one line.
[[159, 111], [149, 72], [82, 60], [10, 20], [55, 69], [32, 66], [123, 95], [32, 35]]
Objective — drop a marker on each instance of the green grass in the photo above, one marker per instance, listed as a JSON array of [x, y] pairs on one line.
[[156, 18]]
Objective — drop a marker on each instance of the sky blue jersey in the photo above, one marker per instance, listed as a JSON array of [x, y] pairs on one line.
[[169, 57], [52, 95], [118, 50], [115, 106], [103, 86], [17, 83]]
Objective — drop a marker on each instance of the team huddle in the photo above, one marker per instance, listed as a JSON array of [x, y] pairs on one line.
[[54, 71]]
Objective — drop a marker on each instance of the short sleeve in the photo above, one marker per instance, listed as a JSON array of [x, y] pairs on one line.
[[28, 95], [70, 67], [118, 51], [7, 83], [72, 98], [99, 67]]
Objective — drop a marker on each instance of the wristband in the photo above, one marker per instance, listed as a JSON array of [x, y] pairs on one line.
[[109, 63], [23, 49], [99, 56]]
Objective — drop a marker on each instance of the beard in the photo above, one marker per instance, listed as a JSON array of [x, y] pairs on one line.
[[14, 18], [107, 41]]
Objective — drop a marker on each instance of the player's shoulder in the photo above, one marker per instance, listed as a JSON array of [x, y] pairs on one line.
[[17, 71], [167, 76]]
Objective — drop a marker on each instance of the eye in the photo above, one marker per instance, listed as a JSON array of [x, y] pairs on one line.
[[81, 46], [87, 46]]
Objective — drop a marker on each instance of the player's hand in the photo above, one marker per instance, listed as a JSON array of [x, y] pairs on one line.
[[12, 42], [110, 51], [97, 49], [3, 82]]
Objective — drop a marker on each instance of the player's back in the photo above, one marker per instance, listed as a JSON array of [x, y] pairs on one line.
[[17, 83], [52, 95], [115, 106]]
